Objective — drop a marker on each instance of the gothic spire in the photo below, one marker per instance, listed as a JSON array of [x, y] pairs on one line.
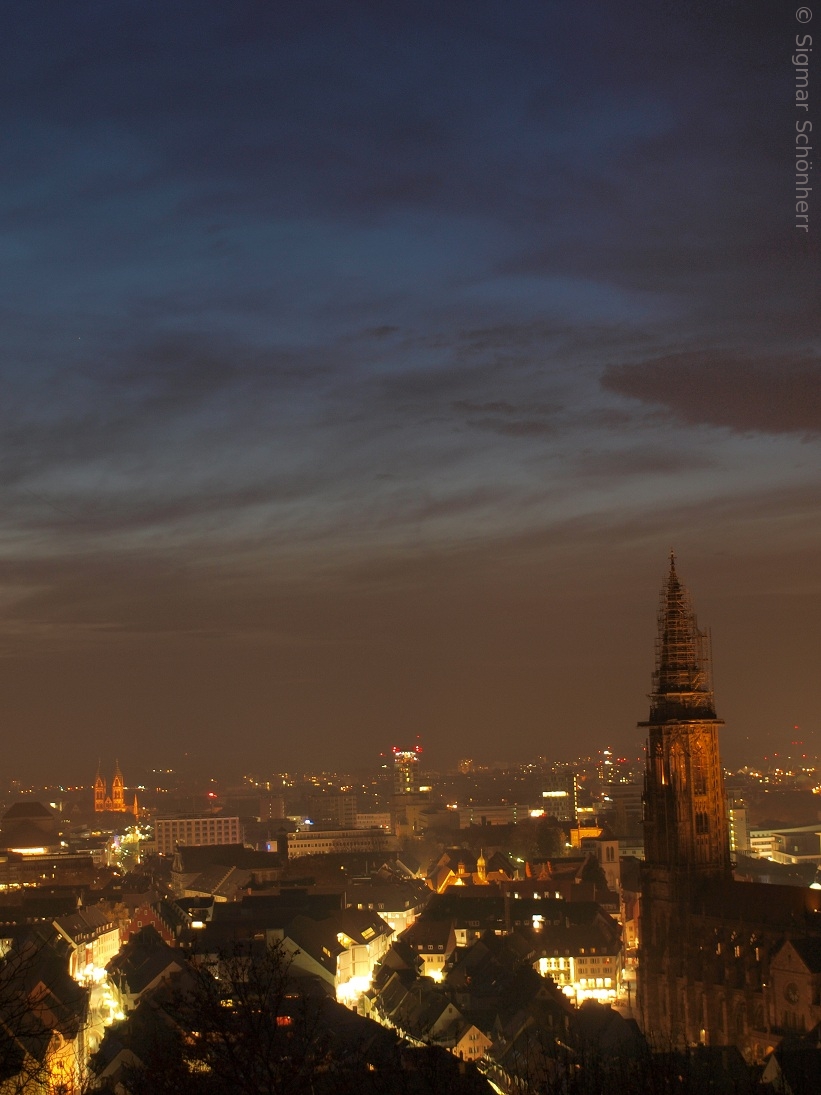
[[681, 681]]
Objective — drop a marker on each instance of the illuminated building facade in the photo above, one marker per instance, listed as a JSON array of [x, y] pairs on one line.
[[739, 829], [338, 841], [560, 795], [92, 938], [406, 770], [195, 832], [410, 802], [115, 801]]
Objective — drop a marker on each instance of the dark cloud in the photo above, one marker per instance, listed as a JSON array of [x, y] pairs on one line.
[[773, 395]]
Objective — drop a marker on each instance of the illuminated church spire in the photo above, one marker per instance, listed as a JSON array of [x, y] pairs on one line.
[[685, 822], [681, 681], [99, 791], [118, 790], [115, 802]]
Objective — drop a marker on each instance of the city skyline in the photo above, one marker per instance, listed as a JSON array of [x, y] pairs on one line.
[[363, 364]]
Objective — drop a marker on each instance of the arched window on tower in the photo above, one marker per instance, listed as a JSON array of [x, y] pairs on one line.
[[699, 769]]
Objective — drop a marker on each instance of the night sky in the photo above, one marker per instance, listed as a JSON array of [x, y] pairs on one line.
[[362, 362]]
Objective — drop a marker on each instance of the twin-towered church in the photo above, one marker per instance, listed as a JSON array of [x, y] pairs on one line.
[[113, 803]]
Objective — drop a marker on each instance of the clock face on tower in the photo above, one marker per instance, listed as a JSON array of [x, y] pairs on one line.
[[791, 993]]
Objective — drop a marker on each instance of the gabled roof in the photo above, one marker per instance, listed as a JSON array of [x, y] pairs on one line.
[[428, 932], [462, 1026], [407, 864], [361, 925], [384, 972], [809, 950], [421, 1009], [171, 915], [394, 992], [142, 960], [220, 881], [395, 895], [86, 923], [401, 956], [317, 939], [130, 888]]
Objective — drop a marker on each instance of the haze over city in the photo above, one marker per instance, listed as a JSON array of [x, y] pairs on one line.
[[363, 362]]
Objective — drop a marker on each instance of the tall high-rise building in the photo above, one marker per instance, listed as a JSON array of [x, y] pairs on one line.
[[410, 803], [560, 795], [406, 770]]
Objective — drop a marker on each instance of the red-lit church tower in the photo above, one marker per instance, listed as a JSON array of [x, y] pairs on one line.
[[115, 802], [99, 792], [118, 791]]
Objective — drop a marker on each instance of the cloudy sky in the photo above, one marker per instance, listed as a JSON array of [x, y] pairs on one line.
[[362, 362]]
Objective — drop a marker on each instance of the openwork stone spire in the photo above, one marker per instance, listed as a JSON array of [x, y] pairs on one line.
[[681, 682], [685, 821]]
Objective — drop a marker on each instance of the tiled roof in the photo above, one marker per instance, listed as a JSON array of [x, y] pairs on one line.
[[427, 932], [89, 921], [143, 959]]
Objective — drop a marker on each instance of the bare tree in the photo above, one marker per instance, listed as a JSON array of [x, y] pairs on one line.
[[43, 1017]]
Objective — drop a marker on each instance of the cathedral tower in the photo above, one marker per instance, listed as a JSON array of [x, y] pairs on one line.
[[685, 816], [686, 838], [99, 792], [118, 790]]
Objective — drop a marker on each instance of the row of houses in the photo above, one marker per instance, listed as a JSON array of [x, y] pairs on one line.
[[253, 1021], [578, 944], [492, 1007]]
